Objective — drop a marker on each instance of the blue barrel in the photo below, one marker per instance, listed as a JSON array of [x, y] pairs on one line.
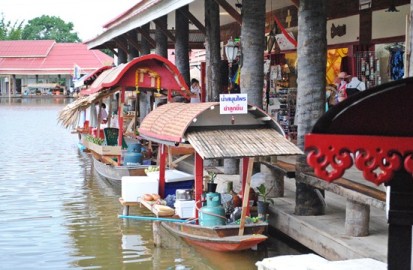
[[134, 147], [213, 214], [132, 158]]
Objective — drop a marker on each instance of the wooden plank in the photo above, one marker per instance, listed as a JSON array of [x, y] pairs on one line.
[[245, 196], [287, 168], [151, 206]]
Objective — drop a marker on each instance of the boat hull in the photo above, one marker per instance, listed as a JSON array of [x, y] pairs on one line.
[[114, 174], [219, 238]]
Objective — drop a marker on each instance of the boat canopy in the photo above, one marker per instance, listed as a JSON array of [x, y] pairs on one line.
[[146, 73], [215, 135], [149, 72]]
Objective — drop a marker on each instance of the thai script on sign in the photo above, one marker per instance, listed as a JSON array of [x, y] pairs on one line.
[[233, 104]]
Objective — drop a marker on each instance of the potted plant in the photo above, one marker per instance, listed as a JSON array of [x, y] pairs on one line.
[[211, 185], [263, 201]]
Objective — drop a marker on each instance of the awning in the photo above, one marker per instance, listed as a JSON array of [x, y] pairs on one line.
[[238, 143], [69, 114]]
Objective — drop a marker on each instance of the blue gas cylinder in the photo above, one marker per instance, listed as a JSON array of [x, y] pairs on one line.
[[132, 158], [134, 147], [213, 214]]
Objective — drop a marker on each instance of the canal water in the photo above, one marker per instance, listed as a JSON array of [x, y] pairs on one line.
[[56, 213]]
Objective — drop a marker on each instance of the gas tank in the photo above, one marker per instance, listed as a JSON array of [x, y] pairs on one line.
[[132, 158], [134, 147], [213, 214]]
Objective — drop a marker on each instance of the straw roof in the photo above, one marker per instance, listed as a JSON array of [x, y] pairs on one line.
[[237, 143], [70, 114]]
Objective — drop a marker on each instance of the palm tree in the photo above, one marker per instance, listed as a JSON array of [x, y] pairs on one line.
[[312, 54], [252, 59], [252, 47]]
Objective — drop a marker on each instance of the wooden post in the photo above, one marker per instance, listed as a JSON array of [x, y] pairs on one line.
[[245, 199], [199, 176], [357, 219], [162, 165], [400, 215], [157, 242], [125, 211]]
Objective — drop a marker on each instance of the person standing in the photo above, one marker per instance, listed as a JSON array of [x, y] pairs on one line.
[[342, 86], [196, 91]]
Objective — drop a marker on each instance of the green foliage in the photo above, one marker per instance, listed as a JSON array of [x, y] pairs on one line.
[[98, 141], [263, 193], [211, 176], [49, 28], [9, 30]]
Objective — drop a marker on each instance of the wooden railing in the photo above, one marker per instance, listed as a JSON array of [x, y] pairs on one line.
[[359, 196]]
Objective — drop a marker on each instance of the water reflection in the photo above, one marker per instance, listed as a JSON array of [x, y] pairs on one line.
[[56, 213]]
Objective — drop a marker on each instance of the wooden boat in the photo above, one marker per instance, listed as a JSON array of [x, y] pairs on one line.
[[219, 238], [114, 173]]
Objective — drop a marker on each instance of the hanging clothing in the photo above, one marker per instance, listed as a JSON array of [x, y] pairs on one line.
[[396, 64]]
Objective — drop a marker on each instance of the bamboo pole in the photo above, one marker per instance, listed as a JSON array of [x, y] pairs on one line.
[[245, 196]]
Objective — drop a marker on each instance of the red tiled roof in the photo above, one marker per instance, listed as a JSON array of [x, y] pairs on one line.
[[49, 57], [26, 48]]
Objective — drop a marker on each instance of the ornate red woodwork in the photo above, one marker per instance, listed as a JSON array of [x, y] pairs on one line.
[[378, 157]]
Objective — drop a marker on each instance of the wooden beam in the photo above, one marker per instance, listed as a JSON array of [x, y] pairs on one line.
[[193, 19], [296, 3], [133, 40], [112, 50], [147, 36], [120, 43], [231, 11], [165, 31]]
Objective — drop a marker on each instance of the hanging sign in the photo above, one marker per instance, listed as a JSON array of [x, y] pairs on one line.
[[233, 104]]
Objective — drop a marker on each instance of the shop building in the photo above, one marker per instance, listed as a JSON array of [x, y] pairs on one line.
[[44, 66]]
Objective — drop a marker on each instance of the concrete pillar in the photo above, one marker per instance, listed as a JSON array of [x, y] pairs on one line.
[[274, 181], [357, 219], [231, 166]]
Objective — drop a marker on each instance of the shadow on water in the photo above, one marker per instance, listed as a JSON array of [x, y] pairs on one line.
[[56, 213]]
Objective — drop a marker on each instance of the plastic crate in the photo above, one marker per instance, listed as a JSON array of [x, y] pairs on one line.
[[170, 188]]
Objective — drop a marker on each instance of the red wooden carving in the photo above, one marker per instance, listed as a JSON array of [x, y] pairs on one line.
[[378, 157]]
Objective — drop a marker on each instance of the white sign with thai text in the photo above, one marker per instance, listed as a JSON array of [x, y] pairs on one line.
[[233, 104]]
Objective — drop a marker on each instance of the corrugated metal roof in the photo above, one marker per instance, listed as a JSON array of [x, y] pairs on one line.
[[237, 143], [60, 59]]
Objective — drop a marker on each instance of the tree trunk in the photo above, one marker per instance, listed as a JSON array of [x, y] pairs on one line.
[[409, 44], [144, 103], [122, 56], [312, 48], [213, 51], [160, 38], [181, 44], [252, 51], [252, 59], [145, 46]]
